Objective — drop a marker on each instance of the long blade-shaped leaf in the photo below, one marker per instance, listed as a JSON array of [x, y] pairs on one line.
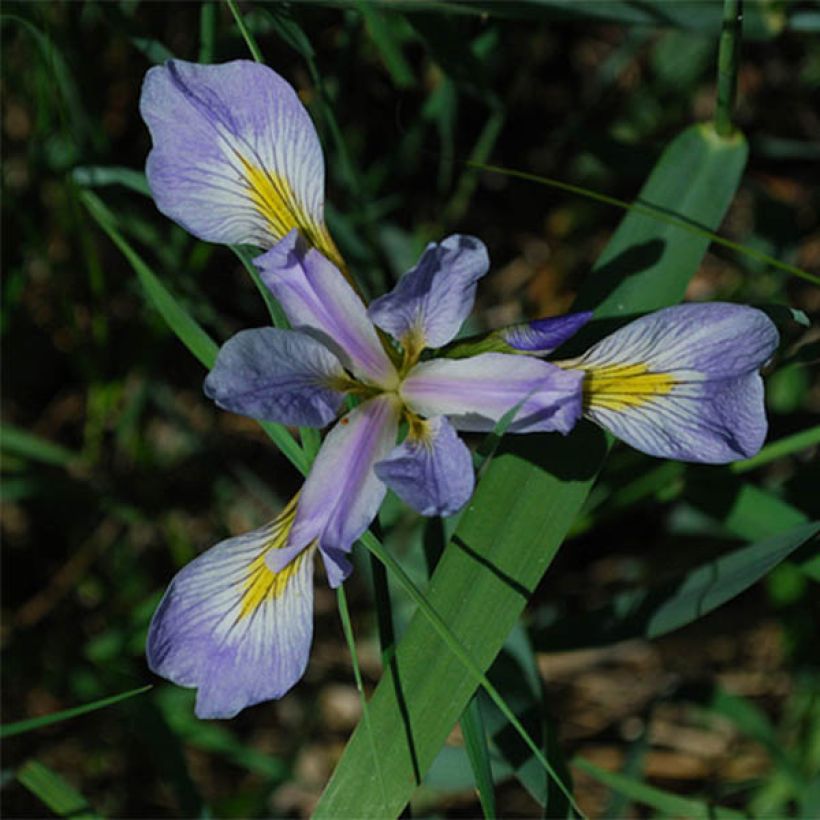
[[21, 726], [654, 611], [526, 502], [187, 329], [64, 800]]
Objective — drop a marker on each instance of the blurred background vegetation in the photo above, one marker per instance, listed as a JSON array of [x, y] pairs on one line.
[[116, 471]]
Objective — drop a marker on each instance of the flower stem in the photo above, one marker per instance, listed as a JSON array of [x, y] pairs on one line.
[[728, 61], [245, 32]]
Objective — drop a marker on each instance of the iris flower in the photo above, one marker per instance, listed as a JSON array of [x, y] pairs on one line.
[[236, 160], [336, 351], [683, 382]]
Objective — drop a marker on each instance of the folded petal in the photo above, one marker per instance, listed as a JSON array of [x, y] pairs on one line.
[[233, 629], [431, 301], [431, 470], [476, 393], [342, 494], [318, 299], [277, 375], [542, 336], [235, 156], [683, 382]]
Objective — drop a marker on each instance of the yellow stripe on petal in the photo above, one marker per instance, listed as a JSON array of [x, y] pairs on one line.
[[262, 584], [623, 386], [274, 198]]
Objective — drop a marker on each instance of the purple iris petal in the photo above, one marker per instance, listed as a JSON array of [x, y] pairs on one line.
[[683, 382], [212, 633], [711, 422], [476, 393], [432, 300], [545, 335], [278, 375], [235, 155], [342, 494], [714, 340], [318, 299], [431, 471]]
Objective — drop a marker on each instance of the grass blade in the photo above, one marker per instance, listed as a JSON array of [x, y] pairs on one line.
[[778, 449], [21, 443], [671, 805], [475, 742], [54, 792], [250, 40], [29, 725], [728, 61], [669, 217], [186, 328], [347, 628], [650, 612], [176, 317]]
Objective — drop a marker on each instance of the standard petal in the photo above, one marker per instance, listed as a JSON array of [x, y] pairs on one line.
[[235, 156], [277, 375], [318, 299], [431, 470], [431, 301], [342, 494], [476, 393], [542, 336], [232, 628], [683, 382]]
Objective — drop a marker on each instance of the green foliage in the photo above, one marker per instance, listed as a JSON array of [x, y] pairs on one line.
[[10, 729], [524, 123], [53, 791]]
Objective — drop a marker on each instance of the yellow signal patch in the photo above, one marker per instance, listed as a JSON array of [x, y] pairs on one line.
[[275, 200], [623, 386], [262, 584]]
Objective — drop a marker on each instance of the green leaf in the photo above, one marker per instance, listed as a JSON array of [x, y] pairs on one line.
[[99, 176], [746, 511], [523, 507], [515, 673], [186, 328], [22, 726], [754, 723], [384, 35], [475, 742], [20, 443], [176, 317], [650, 612], [785, 446], [54, 792], [672, 805], [177, 707], [635, 277]]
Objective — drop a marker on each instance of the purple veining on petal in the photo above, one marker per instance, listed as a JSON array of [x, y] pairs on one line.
[[317, 299], [277, 375], [431, 301], [342, 494], [712, 422], [199, 637], [715, 339], [712, 410], [209, 124]]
